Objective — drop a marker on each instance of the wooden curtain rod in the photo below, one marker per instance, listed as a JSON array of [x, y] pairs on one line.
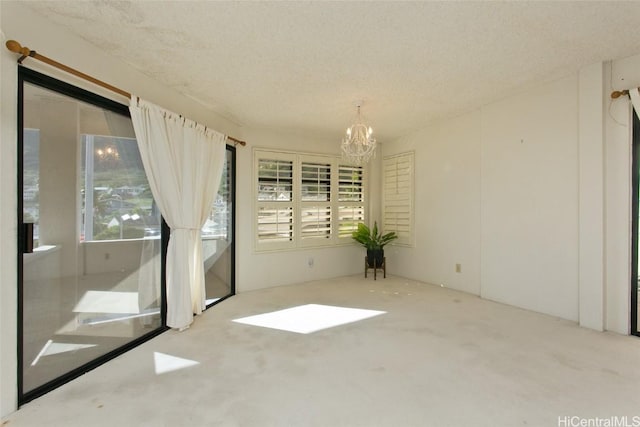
[[618, 93], [25, 52]]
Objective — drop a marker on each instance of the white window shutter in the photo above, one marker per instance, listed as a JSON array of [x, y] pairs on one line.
[[350, 199], [398, 197], [316, 216], [274, 198], [305, 200]]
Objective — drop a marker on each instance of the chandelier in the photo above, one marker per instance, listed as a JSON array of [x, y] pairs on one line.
[[108, 153], [358, 145]]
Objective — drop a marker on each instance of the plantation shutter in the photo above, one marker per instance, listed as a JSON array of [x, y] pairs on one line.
[[350, 199], [315, 209], [304, 200], [398, 197], [275, 201]]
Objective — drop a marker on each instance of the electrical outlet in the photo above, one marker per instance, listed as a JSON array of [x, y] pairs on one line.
[[458, 268]]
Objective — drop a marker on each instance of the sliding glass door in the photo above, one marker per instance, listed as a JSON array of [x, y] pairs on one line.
[[91, 236]]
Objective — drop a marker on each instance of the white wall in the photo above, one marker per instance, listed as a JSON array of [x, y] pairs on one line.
[[530, 200], [19, 23], [531, 194], [447, 205], [110, 256], [265, 269], [58, 181], [591, 93], [8, 291]]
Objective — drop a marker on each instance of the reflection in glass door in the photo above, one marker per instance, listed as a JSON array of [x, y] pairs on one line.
[[90, 236], [218, 239]]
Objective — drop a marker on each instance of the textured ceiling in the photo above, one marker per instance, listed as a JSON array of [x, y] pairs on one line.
[[302, 65]]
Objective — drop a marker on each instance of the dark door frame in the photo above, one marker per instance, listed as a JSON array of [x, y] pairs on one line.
[[635, 202]]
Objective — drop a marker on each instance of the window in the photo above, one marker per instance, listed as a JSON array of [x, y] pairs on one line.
[[305, 200], [120, 206], [398, 197]]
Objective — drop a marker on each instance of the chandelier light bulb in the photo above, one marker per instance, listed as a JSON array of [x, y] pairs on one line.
[[108, 153]]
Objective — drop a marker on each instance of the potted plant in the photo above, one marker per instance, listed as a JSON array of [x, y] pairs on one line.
[[373, 241]]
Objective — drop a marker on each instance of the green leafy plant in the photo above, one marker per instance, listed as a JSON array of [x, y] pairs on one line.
[[371, 238]]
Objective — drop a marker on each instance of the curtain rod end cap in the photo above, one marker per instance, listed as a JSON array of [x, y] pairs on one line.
[[618, 93]]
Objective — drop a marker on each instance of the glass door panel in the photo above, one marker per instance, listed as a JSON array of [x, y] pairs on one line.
[[91, 273], [218, 239]]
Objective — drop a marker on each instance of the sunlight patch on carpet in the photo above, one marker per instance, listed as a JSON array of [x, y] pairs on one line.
[[114, 318], [166, 363], [309, 318], [51, 348], [108, 302]]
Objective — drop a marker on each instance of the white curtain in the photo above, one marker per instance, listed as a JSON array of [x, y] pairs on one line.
[[183, 161], [634, 94]]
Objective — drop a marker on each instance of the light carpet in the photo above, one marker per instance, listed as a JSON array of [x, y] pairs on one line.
[[435, 357]]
